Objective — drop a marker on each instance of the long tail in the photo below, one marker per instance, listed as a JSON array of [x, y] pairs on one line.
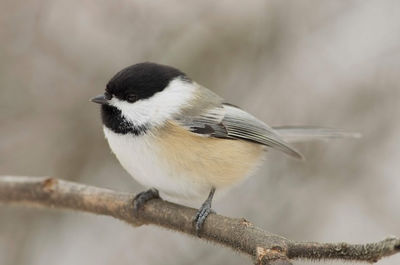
[[293, 134]]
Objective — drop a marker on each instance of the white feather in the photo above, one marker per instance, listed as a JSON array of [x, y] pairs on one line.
[[139, 155], [160, 107]]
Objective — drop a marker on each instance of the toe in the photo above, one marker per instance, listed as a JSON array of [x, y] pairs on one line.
[[200, 218], [141, 198]]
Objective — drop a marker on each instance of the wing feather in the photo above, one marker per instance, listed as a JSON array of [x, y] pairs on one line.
[[242, 125], [230, 122]]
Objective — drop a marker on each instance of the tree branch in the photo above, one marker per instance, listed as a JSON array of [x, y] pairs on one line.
[[238, 234]]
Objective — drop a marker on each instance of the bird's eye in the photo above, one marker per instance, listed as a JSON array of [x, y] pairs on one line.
[[131, 98], [107, 95]]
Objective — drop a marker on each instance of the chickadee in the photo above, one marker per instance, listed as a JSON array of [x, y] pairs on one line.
[[176, 136]]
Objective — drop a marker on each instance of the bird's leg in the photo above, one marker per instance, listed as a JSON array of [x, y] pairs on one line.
[[141, 198], [203, 212]]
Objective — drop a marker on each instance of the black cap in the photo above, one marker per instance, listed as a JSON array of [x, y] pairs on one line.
[[142, 80]]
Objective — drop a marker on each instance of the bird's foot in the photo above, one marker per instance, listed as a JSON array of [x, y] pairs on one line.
[[143, 197], [201, 216]]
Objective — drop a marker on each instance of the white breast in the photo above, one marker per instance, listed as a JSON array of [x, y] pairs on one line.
[[182, 164], [140, 156]]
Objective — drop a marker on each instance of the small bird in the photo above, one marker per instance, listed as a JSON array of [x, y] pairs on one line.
[[174, 135]]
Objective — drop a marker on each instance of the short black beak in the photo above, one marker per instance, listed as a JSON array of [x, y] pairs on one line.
[[100, 99]]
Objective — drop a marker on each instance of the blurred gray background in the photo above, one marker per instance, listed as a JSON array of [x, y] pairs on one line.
[[328, 63]]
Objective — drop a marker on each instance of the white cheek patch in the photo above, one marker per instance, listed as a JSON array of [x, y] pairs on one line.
[[160, 107]]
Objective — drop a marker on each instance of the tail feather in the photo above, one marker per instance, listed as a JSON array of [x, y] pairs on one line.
[[293, 134]]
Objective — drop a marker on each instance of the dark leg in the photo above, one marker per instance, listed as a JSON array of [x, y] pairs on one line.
[[142, 198], [203, 212]]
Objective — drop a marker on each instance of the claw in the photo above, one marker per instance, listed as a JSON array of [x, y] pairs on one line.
[[203, 213], [201, 217], [143, 197]]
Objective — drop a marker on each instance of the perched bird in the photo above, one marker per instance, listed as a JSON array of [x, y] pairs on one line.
[[174, 135]]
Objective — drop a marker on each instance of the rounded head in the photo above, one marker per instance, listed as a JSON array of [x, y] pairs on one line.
[[143, 95], [141, 81]]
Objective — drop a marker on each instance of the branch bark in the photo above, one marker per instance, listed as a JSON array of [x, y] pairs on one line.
[[238, 234]]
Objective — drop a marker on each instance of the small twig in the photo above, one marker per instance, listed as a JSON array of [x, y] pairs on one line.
[[371, 252], [238, 234]]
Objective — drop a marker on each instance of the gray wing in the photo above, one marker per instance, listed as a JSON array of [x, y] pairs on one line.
[[241, 125], [227, 121]]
